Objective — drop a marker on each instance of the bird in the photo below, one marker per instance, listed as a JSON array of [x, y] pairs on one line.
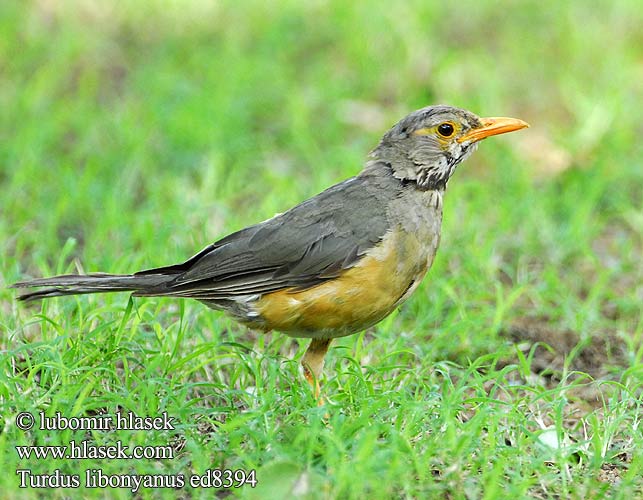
[[335, 264]]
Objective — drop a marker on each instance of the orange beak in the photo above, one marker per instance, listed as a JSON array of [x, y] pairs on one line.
[[493, 126]]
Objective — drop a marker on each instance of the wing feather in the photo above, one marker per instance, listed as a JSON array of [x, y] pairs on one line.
[[303, 247]]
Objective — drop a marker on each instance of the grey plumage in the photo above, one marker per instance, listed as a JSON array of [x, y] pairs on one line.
[[310, 243], [77, 284], [424, 159]]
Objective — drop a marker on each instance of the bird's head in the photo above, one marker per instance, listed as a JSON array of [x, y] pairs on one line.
[[427, 145]]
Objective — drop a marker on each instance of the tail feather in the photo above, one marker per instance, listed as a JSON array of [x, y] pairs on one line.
[[76, 284]]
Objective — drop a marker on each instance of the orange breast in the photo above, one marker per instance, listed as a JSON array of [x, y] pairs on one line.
[[357, 299]]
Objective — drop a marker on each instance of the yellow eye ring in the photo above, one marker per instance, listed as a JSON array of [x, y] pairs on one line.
[[446, 129]]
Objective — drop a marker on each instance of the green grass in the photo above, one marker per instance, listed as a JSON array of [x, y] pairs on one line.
[[132, 135]]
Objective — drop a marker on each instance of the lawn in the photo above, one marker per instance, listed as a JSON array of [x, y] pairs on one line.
[[133, 134]]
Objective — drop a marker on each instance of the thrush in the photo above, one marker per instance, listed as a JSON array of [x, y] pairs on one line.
[[335, 264]]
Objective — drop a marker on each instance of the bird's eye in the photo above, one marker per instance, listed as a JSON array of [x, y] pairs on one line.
[[445, 129]]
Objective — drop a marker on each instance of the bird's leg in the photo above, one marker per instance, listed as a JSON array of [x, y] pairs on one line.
[[313, 363]]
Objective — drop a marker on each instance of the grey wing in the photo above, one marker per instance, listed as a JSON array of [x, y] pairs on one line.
[[303, 247]]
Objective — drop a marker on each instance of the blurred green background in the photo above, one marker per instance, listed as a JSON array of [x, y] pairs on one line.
[[134, 133]]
